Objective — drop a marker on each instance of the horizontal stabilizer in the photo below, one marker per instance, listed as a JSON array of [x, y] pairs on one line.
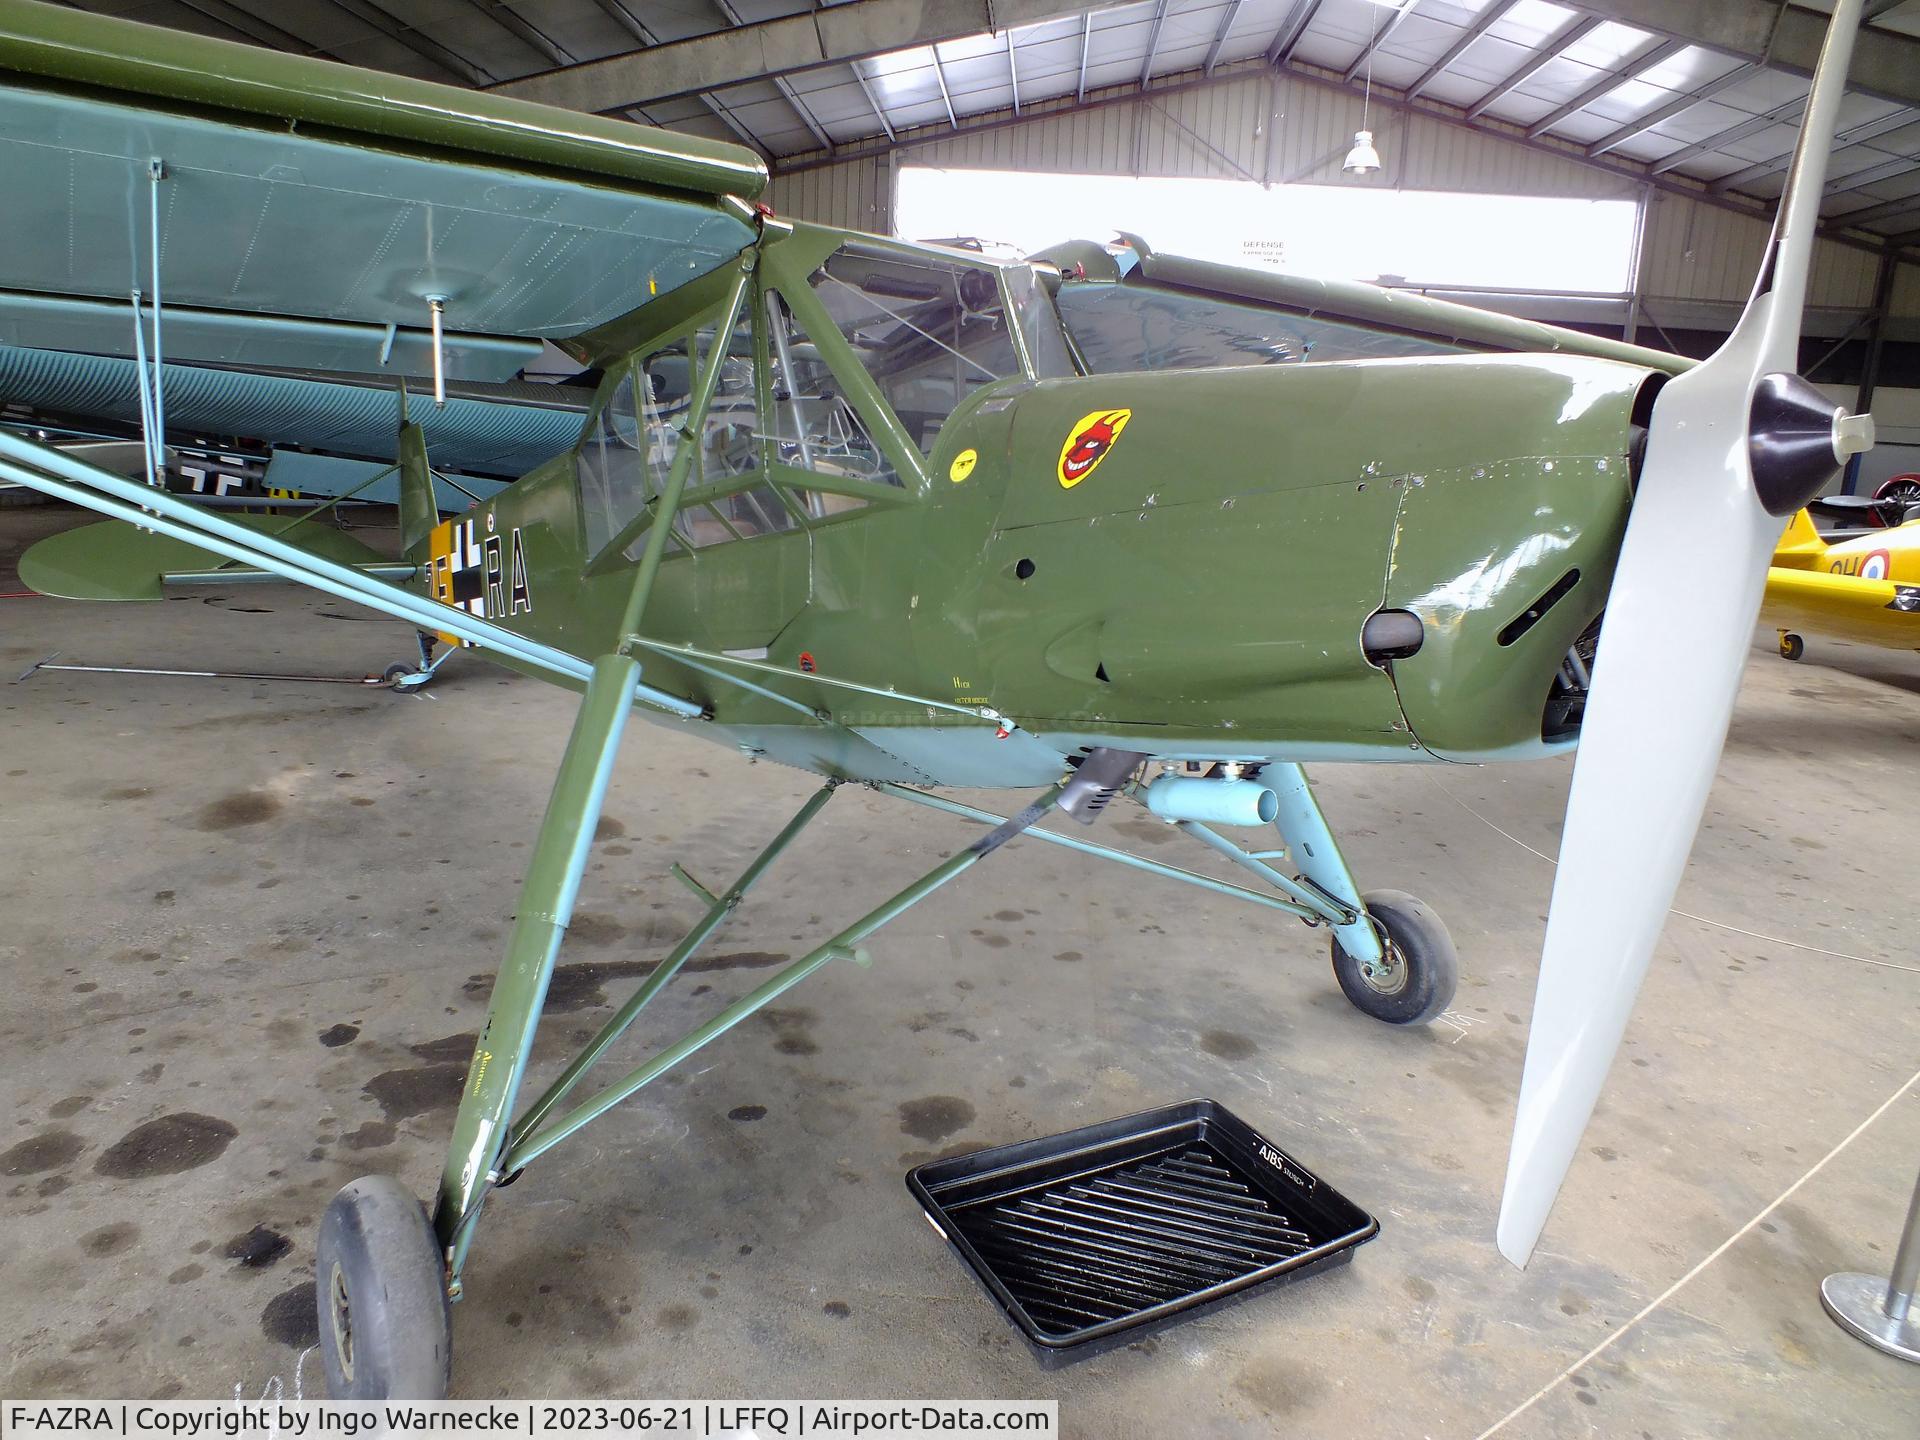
[[113, 560]]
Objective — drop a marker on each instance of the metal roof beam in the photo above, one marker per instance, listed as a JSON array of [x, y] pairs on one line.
[[946, 95], [1780, 115], [1378, 39], [1086, 44], [1657, 53], [787, 92], [1146, 68], [1613, 139], [873, 101], [1866, 130], [616, 11], [1873, 174], [1231, 14], [1482, 23], [251, 27], [1552, 51], [522, 30], [1291, 29], [1785, 37], [424, 46], [788, 45], [1874, 214]]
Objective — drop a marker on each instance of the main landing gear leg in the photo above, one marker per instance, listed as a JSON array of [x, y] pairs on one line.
[[387, 1273], [1391, 954], [1396, 962], [373, 1248]]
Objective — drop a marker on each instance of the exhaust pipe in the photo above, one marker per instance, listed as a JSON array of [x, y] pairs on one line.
[[1211, 801]]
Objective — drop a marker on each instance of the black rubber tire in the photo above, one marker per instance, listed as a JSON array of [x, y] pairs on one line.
[[1429, 968], [1792, 647], [381, 1289]]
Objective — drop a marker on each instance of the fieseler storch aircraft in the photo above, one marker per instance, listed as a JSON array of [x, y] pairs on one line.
[[871, 509]]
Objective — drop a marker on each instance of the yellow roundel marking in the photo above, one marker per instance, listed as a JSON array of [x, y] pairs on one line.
[[962, 466], [1089, 442]]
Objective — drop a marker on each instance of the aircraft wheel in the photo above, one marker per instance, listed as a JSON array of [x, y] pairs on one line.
[[1792, 647], [1416, 981], [382, 1292]]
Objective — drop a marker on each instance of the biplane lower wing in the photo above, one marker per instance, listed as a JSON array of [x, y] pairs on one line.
[[1872, 612]]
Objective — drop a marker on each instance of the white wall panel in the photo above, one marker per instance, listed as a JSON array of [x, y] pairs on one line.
[[1696, 251]]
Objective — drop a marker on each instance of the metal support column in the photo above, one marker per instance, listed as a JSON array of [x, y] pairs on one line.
[[1880, 1312], [1870, 367]]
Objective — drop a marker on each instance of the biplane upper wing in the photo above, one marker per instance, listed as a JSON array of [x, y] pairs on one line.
[[257, 212]]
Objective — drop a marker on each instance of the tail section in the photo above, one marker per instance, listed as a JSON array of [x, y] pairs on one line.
[[1801, 548], [419, 510]]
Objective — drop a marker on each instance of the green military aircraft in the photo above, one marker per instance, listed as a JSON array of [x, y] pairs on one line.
[[1104, 524]]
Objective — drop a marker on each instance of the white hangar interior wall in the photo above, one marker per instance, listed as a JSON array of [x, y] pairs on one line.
[[1696, 261]]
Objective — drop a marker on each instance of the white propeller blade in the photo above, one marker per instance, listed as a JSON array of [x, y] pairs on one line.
[[1679, 618]]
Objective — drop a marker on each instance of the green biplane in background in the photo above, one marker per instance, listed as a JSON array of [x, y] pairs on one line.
[[1102, 524]]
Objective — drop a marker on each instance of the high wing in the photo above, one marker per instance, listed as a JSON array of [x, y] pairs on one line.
[[1128, 308], [303, 216], [211, 239]]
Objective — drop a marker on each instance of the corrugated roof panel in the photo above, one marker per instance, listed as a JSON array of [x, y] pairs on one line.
[[1607, 47]]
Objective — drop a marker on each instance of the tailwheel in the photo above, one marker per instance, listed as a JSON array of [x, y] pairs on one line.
[[1414, 980], [382, 1292], [1792, 647]]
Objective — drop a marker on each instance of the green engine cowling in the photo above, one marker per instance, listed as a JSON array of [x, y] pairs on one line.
[[1202, 585]]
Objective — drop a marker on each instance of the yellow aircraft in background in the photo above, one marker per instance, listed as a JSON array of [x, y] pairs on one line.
[[1866, 588]]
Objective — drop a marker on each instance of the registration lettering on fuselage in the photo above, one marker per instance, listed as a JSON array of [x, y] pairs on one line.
[[482, 574]]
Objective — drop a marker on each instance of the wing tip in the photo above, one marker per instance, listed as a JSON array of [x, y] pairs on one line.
[[1516, 1238]]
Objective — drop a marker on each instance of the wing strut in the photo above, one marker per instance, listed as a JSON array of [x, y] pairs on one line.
[[41, 468]]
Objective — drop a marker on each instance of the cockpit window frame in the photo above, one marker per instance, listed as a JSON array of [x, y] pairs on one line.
[[787, 266]]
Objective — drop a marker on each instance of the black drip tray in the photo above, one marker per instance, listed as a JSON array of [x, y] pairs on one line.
[[1102, 1230]]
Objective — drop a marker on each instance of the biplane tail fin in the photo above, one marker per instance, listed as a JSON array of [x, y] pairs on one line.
[[1801, 547]]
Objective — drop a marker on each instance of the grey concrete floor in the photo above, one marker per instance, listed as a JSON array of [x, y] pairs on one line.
[[246, 929]]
